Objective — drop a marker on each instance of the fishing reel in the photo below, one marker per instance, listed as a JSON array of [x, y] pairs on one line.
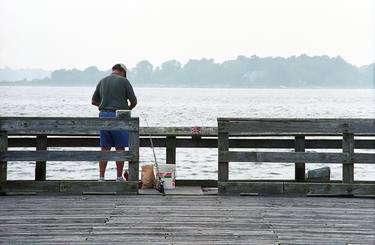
[[159, 186]]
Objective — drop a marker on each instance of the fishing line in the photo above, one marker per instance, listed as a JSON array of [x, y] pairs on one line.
[[159, 183]]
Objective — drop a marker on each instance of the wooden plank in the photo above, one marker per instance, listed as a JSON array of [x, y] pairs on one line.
[[364, 144], [3, 149], [93, 141], [124, 114], [258, 188], [171, 149], [284, 126], [185, 191], [331, 189], [40, 167], [295, 188], [64, 141], [223, 146], [80, 187], [146, 131], [134, 149], [21, 141], [299, 167], [157, 141], [348, 164], [177, 131], [363, 158], [63, 125], [198, 182], [67, 156], [311, 157], [66, 187], [196, 142]]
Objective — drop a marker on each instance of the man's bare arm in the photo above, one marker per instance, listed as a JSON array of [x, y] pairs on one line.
[[94, 102], [132, 104]]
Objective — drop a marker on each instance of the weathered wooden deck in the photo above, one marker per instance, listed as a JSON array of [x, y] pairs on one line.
[[153, 219]]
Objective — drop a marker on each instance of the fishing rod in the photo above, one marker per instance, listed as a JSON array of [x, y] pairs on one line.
[[159, 186]]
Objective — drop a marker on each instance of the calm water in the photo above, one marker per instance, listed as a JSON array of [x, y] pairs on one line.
[[190, 107]]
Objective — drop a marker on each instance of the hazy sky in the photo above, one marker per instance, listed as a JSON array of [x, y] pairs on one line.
[[64, 34]]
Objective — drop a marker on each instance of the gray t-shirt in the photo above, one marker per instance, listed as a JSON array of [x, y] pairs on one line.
[[113, 93]]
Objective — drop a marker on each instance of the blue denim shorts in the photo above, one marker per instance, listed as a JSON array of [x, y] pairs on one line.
[[113, 138]]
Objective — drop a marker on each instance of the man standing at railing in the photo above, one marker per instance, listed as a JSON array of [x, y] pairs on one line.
[[112, 93]]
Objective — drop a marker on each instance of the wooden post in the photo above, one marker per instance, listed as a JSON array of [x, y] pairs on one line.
[[223, 146], [171, 149], [124, 114], [299, 167], [196, 139], [40, 167], [133, 144], [134, 149], [3, 148], [348, 164]]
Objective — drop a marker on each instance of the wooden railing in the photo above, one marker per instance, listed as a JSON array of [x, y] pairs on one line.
[[299, 129], [41, 127], [44, 133]]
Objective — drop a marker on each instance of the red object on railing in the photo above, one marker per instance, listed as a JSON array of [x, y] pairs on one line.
[[196, 130]]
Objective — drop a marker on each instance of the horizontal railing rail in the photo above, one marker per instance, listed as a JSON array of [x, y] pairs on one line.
[[64, 125], [192, 142], [276, 126], [44, 155], [289, 157], [144, 131]]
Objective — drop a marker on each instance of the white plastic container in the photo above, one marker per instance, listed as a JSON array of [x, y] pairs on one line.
[[168, 175]]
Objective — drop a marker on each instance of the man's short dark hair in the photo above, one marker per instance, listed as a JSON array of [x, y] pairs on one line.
[[118, 67]]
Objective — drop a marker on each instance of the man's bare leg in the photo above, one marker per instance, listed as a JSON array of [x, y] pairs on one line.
[[103, 164], [120, 164]]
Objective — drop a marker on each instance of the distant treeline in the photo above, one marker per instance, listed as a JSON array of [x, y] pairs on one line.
[[253, 72]]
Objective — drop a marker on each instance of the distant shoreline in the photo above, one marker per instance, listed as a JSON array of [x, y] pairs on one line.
[[294, 72], [12, 84]]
